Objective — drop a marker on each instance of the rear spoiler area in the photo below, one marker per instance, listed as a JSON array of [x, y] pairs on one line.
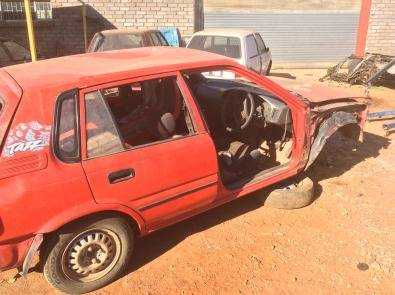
[[10, 96]]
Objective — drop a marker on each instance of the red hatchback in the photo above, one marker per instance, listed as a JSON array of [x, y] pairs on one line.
[[102, 148]]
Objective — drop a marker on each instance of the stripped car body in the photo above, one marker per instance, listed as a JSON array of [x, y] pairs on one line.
[[112, 163]]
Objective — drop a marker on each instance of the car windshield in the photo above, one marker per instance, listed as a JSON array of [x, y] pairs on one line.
[[119, 41], [17, 51], [228, 46]]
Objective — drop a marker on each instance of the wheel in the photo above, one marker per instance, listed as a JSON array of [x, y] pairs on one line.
[[292, 196], [88, 255], [269, 67]]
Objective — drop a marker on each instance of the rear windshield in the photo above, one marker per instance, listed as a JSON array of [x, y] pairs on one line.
[[228, 46], [114, 42], [17, 51]]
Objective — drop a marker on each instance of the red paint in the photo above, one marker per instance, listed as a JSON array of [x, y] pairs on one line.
[[363, 28], [174, 180]]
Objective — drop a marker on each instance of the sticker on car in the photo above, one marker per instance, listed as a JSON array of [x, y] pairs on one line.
[[31, 136]]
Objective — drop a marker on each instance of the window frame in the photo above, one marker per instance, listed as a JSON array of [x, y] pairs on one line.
[[258, 38], [55, 130], [187, 96]]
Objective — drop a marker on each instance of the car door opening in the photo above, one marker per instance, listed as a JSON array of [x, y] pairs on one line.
[[251, 128]]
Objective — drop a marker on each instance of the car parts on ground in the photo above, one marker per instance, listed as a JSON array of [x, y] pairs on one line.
[[384, 115], [292, 196], [389, 128], [372, 69]]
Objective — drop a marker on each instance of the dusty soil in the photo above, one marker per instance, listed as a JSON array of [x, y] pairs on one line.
[[344, 242]]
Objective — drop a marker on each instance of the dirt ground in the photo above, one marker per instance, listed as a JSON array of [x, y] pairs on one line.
[[344, 242]]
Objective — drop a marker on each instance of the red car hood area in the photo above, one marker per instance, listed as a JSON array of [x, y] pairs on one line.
[[316, 91]]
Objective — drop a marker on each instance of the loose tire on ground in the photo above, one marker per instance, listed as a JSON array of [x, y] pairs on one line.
[[293, 196], [97, 238]]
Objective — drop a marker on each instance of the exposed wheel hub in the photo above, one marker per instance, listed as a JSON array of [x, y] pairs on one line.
[[91, 255]]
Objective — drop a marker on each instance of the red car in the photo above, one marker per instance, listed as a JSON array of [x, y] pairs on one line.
[[102, 148]]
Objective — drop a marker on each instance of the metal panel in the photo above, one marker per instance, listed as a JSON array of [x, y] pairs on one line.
[[297, 36]]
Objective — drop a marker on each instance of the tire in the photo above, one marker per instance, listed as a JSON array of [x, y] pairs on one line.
[[269, 67], [293, 196], [99, 261]]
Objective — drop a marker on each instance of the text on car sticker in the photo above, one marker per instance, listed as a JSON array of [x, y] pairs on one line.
[[32, 136]]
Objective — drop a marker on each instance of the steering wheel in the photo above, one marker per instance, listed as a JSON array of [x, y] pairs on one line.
[[237, 110]]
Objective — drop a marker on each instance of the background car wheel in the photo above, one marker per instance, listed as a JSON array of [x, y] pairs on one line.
[[292, 196], [88, 255], [269, 67]]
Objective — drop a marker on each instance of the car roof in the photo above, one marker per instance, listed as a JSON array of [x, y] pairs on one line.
[[226, 32], [85, 70], [126, 31]]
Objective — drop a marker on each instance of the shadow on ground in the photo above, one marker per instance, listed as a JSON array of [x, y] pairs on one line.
[[338, 157]]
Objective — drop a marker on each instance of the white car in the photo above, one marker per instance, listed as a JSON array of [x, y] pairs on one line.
[[246, 47]]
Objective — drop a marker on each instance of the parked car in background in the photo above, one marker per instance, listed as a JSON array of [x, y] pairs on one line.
[[121, 149], [12, 53], [124, 39], [246, 47]]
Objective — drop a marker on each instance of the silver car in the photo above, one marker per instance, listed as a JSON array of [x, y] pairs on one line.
[[247, 47]]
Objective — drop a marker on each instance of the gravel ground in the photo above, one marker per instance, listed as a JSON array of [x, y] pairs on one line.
[[344, 242]]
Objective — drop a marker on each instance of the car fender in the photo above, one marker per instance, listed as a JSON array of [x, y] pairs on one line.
[[327, 129], [90, 208]]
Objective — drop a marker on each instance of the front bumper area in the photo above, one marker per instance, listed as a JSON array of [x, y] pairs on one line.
[[13, 254]]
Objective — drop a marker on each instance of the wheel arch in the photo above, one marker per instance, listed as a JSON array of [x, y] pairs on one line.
[[85, 211], [338, 121]]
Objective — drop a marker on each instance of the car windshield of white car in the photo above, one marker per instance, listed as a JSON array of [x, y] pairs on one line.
[[228, 46]]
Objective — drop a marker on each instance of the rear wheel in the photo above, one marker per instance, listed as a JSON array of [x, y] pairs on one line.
[[88, 255]]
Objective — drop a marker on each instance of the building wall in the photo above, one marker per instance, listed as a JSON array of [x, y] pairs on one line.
[[381, 31], [64, 34], [141, 13], [226, 5]]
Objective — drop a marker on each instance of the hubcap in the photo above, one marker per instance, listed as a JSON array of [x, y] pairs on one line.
[[91, 255]]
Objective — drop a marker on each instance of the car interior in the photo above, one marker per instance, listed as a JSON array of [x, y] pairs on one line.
[[251, 129], [143, 113]]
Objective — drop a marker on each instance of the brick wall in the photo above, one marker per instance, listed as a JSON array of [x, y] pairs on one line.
[[64, 34], [109, 14], [381, 32]]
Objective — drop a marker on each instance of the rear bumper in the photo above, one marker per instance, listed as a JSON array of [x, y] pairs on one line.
[[13, 254]]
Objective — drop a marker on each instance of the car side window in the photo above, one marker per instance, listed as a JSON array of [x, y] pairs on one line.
[[261, 44], [102, 134], [135, 114], [155, 39], [162, 39], [66, 143], [251, 46]]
